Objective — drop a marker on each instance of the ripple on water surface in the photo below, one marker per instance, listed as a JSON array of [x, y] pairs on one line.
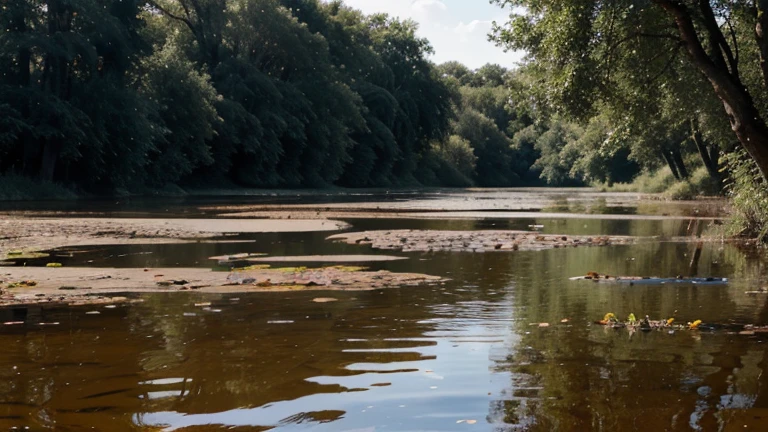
[[473, 353]]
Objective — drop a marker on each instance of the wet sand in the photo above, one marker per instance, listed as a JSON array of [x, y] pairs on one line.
[[74, 285], [34, 234]]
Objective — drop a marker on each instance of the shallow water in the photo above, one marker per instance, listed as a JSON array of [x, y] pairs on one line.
[[467, 355]]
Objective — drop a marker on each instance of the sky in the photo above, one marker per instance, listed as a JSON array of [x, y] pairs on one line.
[[457, 29]]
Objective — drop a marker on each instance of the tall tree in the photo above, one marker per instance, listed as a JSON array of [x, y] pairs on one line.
[[587, 48]]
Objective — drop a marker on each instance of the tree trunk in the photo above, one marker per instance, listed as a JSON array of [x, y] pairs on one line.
[[714, 156], [671, 163], [29, 148], [706, 154], [750, 128], [56, 81], [678, 158], [48, 162]]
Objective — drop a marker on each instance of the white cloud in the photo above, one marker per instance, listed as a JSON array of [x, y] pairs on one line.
[[428, 4], [465, 30], [428, 11]]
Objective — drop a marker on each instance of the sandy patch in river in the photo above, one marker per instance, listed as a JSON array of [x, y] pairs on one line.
[[36, 285], [20, 233]]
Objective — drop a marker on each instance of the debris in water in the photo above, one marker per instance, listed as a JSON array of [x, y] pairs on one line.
[[646, 280], [324, 299], [202, 304], [22, 284], [761, 290], [13, 323], [280, 322], [172, 282]]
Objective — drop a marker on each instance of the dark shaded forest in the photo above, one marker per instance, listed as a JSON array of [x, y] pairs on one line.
[[136, 96], [132, 95]]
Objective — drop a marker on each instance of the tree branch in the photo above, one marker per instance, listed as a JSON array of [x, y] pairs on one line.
[[719, 44], [666, 67], [761, 26], [171, 15]]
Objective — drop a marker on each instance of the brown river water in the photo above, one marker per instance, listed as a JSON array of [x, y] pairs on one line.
[[469, 355]]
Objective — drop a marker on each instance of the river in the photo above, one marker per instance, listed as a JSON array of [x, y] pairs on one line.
[[509, 343]]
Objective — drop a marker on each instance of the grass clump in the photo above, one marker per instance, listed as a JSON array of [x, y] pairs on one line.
[[700, 183]]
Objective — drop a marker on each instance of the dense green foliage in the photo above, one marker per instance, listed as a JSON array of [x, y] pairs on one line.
[[669, 79], [111, 95], [135, 95]]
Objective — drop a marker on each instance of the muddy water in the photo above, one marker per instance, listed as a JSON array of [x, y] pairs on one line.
[[468, 355]]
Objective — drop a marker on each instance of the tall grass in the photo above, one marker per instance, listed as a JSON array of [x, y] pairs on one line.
[[699, 183]]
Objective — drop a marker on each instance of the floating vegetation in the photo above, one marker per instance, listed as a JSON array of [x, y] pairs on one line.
[[22, 255], [53, 264], [646, 280], [291, 269], [349, 268], [252, 267], [647, 325]]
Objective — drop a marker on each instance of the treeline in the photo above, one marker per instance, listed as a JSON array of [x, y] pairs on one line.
[[109, 95], [137, 95], [679, 82], [125, 94]]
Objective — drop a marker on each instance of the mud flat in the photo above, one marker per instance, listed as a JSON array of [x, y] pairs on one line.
[[282, 213], [471, 241], [76, 285], [30, 234]]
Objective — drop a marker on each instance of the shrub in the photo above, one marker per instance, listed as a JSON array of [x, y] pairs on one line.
[[749, 196]]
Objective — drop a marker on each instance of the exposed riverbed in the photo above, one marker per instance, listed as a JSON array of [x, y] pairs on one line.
[[464, 350]]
